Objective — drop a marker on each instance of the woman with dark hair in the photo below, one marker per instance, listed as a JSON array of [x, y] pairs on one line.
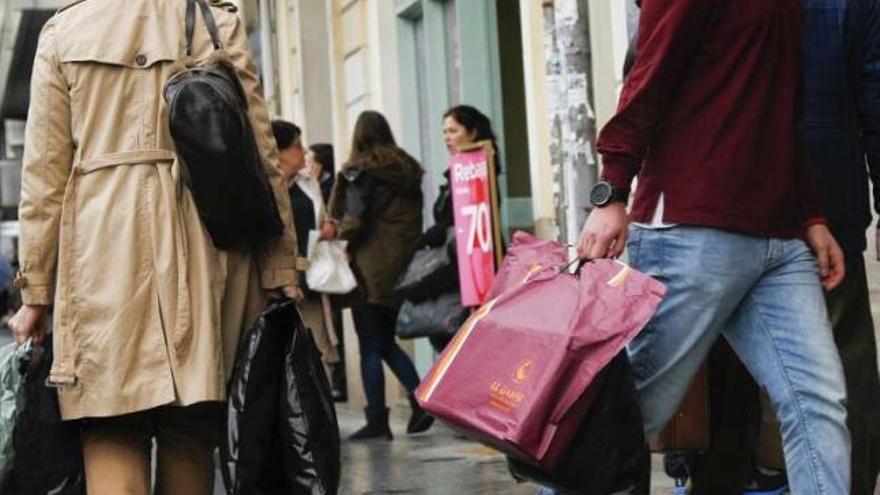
[[376, 206], [307, 204], [321, 163], [462, 125]]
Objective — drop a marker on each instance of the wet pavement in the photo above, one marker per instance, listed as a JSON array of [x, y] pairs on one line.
[[433, 463], [438, 462]]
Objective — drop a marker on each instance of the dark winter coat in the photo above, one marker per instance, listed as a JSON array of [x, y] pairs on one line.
[[841, 121], [377, 202]]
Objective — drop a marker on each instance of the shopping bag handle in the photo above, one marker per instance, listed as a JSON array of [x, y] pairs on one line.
[[581, 263], [565, 268]]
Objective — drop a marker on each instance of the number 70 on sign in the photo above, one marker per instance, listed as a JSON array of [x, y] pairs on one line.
[[480, 227]]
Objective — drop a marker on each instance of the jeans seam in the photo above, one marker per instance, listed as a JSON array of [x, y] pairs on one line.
[[633, 247], [661, 240], [795, 393], [649, 333]]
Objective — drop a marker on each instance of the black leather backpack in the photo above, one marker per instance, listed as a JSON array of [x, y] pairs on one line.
[[220, 161]]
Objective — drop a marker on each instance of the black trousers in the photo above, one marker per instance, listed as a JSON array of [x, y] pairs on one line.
[[849, 307], [375, 330]]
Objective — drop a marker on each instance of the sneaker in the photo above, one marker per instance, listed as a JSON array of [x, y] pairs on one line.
[[338, 387], [676, 467], [765, 482], [681, 486]]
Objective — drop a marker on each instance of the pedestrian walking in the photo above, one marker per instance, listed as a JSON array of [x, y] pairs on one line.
[[322, 165], [376, 205], [841, 115], [147, 311], [726, 215], [729, 465], [841, 128], [308, 208], [462, 125]]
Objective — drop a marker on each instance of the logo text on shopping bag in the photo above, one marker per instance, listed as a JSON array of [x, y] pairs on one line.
[[477, 232]]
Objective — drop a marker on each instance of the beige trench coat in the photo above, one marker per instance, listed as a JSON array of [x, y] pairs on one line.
[[146, 311]]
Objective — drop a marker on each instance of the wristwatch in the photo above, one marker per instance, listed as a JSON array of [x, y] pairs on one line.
[[603, 194]]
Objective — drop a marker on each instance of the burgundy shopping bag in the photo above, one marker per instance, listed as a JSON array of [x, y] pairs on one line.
[[527, 254], [517, 375]]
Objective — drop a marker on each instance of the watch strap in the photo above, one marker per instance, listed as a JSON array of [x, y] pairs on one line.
[[619, 195]]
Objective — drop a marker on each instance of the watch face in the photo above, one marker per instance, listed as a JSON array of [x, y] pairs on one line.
[[601, 194]]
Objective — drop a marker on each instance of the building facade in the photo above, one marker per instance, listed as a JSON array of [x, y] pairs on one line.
[[546, 72], [525, 63]]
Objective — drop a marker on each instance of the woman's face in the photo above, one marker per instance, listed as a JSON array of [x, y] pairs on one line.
[[456, 135], [313, 165], [292, 158]]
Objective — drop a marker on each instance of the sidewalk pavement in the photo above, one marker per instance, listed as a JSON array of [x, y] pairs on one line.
[[438, 462]]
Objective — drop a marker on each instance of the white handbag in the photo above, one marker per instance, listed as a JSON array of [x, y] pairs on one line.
[[329, 271]]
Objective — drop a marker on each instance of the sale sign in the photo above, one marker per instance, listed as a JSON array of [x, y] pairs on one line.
[[472, 182]]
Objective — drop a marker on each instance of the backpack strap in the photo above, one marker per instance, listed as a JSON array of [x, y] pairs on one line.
[[210, 23], [190, 24]]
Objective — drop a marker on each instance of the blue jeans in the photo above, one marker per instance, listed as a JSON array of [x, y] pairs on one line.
[[765, 297], [374, 326]]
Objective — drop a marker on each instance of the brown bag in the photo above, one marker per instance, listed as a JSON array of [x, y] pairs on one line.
[[688, 430], [769, 452]]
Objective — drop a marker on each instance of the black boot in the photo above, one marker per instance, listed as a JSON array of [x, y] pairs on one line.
[[377, 427], [339, 388], [420, 420]]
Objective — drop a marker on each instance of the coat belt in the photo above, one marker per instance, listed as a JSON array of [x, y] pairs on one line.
[[136, 157]]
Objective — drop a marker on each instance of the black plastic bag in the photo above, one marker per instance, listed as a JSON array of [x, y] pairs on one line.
[[440, 316], [609, 453], [432, 271], [310, 433], [282, 435], [48, 452]]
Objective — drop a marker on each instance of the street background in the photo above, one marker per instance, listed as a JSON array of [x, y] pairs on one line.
[[546, 72]]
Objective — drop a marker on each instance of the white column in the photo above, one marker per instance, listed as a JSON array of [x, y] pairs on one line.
[[609, 41], [538, 119], [267, 61], [384, 70]]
